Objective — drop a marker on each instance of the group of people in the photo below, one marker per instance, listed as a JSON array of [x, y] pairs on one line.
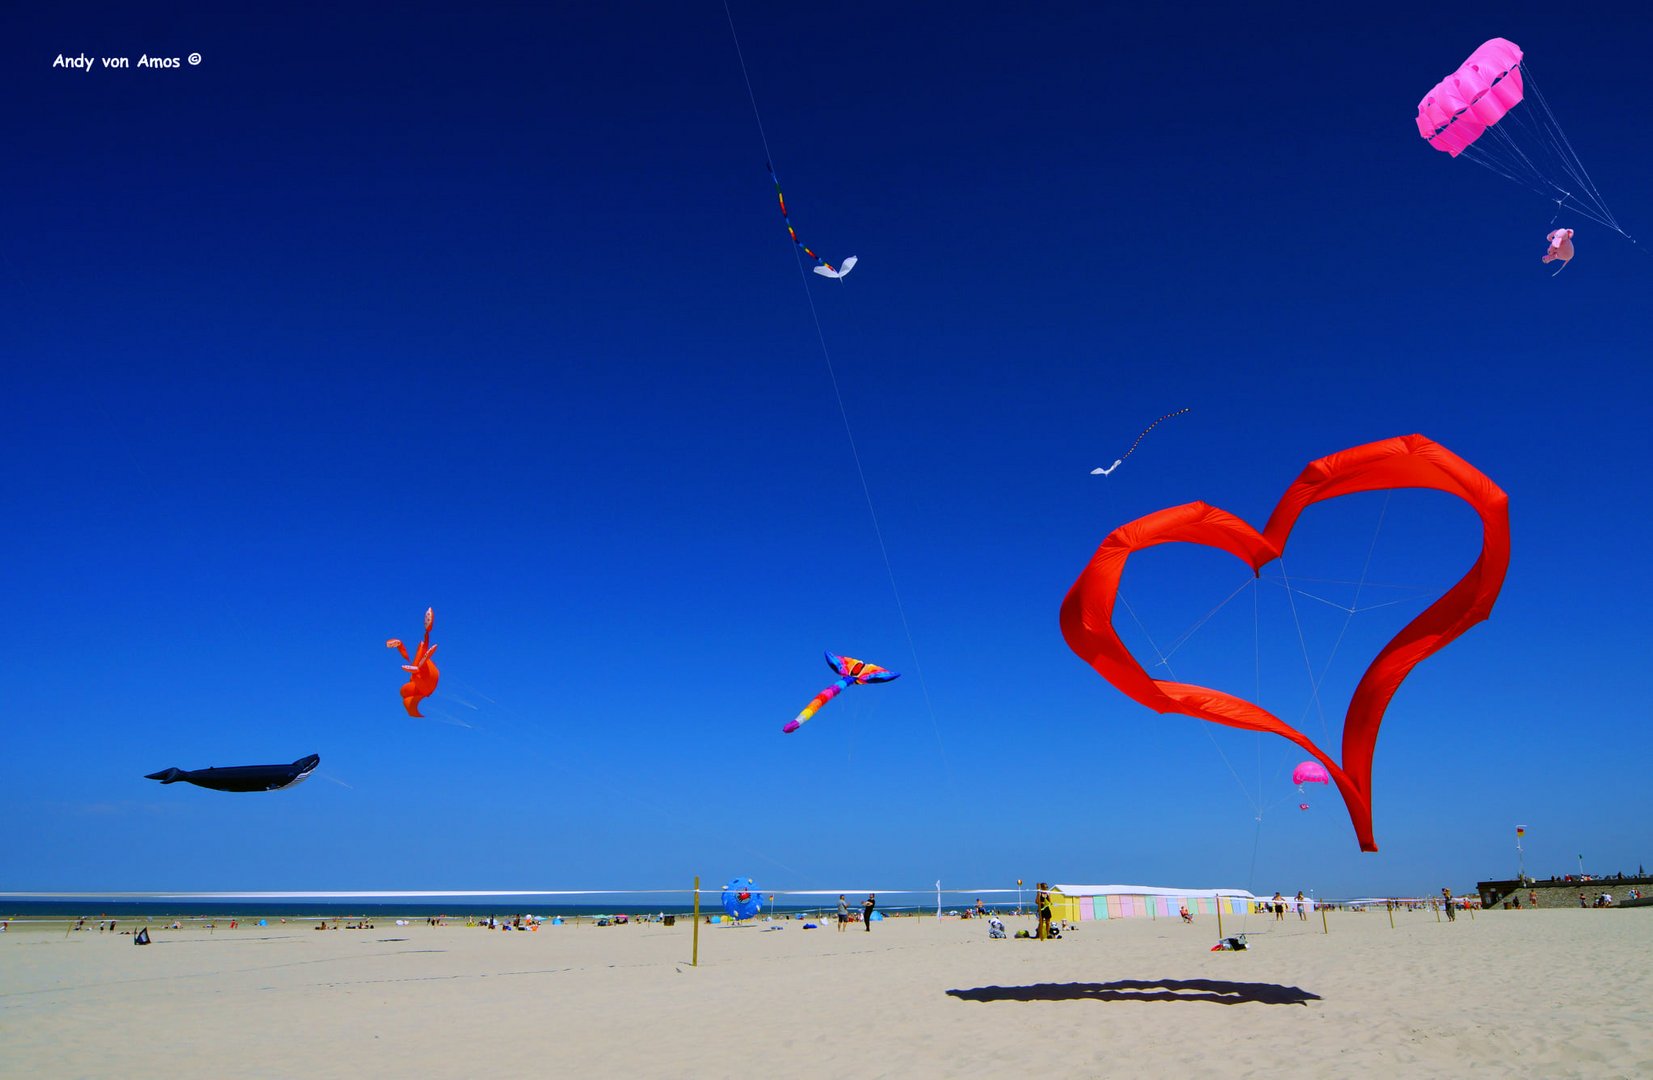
[[1277, 904], [868, 906]]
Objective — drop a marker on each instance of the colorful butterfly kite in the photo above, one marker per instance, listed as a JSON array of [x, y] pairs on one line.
[[1139, 438], [422, 673], [824, 268], [851, 671]]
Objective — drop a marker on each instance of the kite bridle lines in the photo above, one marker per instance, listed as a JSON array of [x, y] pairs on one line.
[[1500, 151]]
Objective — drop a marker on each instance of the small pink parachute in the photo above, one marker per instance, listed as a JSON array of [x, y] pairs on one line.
[[1561, 247], [1310, 772]]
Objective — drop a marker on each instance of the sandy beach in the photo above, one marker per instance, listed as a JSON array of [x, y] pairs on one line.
[[1562, 993]]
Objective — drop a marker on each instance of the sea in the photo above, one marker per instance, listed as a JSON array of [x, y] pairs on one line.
[[127, 910]]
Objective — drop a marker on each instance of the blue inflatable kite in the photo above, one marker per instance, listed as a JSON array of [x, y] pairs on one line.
[[741, 900]]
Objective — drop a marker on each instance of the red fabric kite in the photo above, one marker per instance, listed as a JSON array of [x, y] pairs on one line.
[[422, 673], [1410, 461]]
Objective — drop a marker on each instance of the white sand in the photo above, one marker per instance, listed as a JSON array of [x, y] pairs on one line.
[[1555, 993]]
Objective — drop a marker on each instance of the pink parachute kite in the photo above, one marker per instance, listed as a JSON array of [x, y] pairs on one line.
[[1463, 105], [1464, 114], [1310, 772]]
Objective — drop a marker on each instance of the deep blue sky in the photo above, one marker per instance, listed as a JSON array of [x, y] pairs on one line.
[[492, 311]]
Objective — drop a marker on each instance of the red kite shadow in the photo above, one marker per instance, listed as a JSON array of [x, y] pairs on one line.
[[1211, 990]]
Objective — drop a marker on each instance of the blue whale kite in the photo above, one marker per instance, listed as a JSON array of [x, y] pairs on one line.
[[243, 777]]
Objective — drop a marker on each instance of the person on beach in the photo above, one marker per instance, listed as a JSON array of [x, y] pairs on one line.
[[843, 913], [867, 907], [1302, 907], [1278, 903], [1446, 901], [1041, 899]]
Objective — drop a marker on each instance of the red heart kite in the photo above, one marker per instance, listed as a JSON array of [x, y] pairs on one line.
[[1410, 461]]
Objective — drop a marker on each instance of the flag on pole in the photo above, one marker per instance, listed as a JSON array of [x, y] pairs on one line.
[[1520, 831]]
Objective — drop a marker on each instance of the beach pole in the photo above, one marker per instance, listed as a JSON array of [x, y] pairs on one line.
[[694, 957], [1391, 914], [1437, 912], [1219, 917], [1324, 929]]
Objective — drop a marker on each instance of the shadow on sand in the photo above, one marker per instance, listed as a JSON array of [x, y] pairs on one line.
[[1211, 990]]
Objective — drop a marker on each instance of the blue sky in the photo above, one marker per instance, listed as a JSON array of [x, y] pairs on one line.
[[493, 312]]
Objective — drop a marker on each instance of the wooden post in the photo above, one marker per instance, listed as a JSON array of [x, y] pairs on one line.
[[694, 957], [1437, 912], [1219, 918], [1391, 914], [1324, 929]]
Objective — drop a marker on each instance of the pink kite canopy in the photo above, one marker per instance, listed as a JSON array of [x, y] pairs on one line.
[[1310, 772], [1473, 98]]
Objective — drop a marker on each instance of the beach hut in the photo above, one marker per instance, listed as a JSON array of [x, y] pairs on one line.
[[1083, 903]]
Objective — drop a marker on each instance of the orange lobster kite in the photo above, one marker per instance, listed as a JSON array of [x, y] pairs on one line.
[[422, 673]]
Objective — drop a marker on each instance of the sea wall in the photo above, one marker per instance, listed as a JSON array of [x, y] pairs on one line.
[[1557, 892]]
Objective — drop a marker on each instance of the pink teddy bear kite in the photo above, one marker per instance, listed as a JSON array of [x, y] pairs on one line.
[[1561, 247]]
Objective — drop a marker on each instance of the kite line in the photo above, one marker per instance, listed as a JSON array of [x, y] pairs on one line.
[[826, 270]]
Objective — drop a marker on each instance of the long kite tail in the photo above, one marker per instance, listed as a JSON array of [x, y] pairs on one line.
[[1147, 429], [815, 705], [786, 217]]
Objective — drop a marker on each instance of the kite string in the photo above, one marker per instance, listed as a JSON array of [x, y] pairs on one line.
[[1348, 617], [526, 725], [1568, 156], [843, 413], [1257, 696], [1308, 665], [750, 95], [1165, 662], [872, 512]]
